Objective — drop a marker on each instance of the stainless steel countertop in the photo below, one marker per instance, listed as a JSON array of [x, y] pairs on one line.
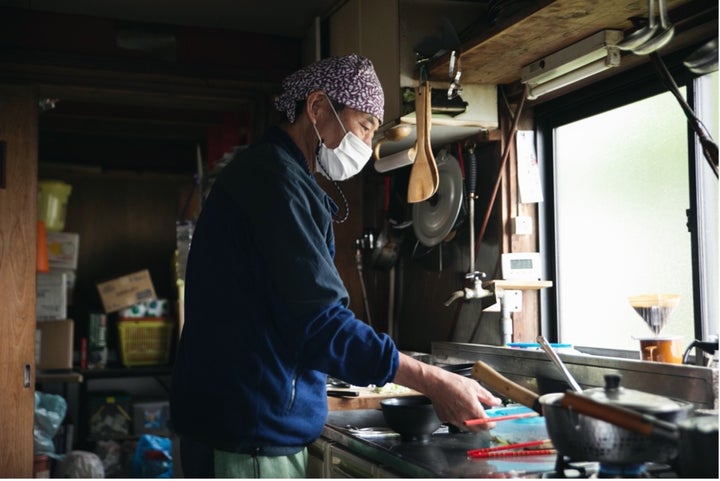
[[534, 370], [444, 454]]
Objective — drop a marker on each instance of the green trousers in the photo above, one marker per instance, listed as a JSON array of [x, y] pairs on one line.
[[233, 465]]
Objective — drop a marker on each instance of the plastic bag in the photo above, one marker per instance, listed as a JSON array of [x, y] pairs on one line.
[[50, 410], [153, 457], [81, 464], [110, 454]]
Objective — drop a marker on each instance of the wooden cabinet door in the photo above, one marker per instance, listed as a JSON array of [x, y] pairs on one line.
[[18, 232]]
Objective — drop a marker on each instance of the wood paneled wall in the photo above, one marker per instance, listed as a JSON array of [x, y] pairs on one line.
[[428, 276], [18, 233]]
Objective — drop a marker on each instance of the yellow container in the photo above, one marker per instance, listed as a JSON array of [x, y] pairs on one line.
[[145, 341], [52, 203]]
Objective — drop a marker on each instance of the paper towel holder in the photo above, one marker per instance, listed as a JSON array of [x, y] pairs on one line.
[[396, 160]]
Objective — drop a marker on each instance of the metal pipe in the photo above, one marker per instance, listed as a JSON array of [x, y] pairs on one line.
[[471, 181], [506, 325]]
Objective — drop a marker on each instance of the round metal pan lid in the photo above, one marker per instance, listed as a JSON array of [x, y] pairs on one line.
[[434, 218], [641, 401]]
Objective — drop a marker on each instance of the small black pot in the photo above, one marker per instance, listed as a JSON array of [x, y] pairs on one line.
[[413, 417], [464, 370], [698, 447]]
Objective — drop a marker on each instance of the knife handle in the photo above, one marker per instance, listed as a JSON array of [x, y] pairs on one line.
[[504, 386], [341, 393]]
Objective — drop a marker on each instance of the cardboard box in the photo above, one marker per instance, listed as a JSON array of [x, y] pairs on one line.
[[51, 296], [126, 291], [151, 418], [54, 344], [63, 248]]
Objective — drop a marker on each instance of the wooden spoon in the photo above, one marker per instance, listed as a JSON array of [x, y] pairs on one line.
[[422, 183], [427, 143]]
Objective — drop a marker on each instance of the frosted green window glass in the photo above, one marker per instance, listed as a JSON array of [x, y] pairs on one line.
[[622, 191]]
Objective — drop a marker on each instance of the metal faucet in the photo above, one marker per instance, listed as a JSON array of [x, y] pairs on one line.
[[473, 288], [473, 279]]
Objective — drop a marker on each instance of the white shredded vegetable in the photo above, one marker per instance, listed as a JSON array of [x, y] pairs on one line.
[[391, 388]]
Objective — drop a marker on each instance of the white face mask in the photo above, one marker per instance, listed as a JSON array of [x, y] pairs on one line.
[[345, 160]]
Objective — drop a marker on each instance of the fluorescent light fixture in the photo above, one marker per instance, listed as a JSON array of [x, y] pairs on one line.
[[581, 60]]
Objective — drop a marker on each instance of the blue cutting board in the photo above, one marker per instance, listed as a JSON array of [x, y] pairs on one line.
[[518, 430]]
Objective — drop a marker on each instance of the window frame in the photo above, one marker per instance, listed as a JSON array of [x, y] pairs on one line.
[[624, 88]]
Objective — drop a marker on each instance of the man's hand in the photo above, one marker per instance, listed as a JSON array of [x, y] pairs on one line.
[[455, 398]]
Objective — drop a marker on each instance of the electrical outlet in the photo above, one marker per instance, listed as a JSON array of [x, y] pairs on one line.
[[522, 225]]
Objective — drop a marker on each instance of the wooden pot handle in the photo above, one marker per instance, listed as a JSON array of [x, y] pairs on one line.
[[505, 387]]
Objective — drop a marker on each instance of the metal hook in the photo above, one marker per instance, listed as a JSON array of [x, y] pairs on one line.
[[454, 72]]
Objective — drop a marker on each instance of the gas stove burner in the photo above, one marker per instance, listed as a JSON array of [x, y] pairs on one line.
[[565, 468], [641, 470], [570, 469], [622, 471]]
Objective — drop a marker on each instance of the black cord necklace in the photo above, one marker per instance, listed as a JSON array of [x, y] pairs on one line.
[[337, 187]]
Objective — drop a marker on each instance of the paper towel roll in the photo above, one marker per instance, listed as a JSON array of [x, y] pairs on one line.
[[395, 161]]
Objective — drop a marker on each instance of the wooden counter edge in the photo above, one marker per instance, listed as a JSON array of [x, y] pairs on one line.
[[368, 399]]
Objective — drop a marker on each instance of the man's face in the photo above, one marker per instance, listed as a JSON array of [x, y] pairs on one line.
[[362, 124]]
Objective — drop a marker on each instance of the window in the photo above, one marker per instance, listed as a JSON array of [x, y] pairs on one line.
[[626, 179]]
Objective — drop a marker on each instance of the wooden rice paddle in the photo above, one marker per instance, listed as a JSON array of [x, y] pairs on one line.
[[427, 144], [423, 175]]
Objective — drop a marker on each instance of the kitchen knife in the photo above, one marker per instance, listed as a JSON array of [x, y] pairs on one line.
[[340, 393], [505, 387]]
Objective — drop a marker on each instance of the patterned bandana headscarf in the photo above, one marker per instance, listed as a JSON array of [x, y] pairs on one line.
[[349, 80]]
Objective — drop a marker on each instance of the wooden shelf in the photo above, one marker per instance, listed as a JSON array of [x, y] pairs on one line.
[[518, 285], [498, 55], [120, 372], [69, 377]]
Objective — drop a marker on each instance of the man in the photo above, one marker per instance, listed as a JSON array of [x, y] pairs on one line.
[[266, 317]]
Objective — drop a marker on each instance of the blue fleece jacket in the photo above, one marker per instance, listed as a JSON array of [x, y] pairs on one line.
[[266, 314]]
